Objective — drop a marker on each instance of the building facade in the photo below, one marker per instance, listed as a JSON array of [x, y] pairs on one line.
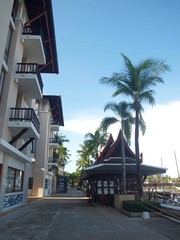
[[27, 49], [43, 171]]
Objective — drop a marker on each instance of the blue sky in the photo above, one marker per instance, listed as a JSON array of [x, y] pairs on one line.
[[90, 37]]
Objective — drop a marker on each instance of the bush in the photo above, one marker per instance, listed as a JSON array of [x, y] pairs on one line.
[[141, 206]]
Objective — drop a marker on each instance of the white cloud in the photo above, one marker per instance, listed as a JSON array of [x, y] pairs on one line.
[[161, 139], [162, 136]]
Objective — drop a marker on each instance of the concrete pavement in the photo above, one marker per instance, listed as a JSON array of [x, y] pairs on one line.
[[70, 217]]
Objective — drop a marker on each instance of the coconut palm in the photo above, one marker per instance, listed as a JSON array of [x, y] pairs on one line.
[[122, 112], [84, 157], [64, 155], [84, 154], [137, 82], [95, 141], [60, 138], [123, 115]]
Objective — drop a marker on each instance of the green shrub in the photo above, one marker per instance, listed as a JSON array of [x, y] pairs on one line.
[[141, 206]]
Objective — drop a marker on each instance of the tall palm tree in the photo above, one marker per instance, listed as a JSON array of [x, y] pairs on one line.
[[122, 112], [95, 141], [137, 82], [123, 115]]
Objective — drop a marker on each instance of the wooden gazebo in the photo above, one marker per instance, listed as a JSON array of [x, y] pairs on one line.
[[105, 175]]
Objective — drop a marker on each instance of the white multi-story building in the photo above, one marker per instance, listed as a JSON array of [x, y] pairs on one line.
[[43, 173], [27, 49]]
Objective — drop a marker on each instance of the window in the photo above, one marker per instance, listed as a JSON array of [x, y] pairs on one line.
[[30, 183], [8, 42], [2, 77], [14, 182]]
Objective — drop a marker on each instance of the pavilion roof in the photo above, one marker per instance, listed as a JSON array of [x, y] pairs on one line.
[[110, 161], [110, 168], [113, 148]]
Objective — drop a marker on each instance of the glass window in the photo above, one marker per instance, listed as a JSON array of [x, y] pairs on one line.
[[18, 181], [10, 180], [8, 41], [14, 180], [30, 183]]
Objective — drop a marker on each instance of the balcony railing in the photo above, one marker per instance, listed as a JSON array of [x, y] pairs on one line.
[[53, 140], [32, 30], [25, 114], [53, 160], [30, 68]]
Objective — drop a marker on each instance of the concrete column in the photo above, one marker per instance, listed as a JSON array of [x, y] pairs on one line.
[[25, 183]]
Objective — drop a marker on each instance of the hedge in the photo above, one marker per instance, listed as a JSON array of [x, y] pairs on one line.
[[141, 206]]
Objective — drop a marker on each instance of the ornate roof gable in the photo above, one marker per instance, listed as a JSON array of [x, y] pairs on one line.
[[114, 149]]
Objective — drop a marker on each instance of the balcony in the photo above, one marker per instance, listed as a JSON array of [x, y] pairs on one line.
[[24, 119], [53, 143], [33, 41], [53, 161], [54, 126], [29, 80]]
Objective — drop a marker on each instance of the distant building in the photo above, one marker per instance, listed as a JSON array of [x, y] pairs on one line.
[[105, 175], [27, 49], [43, 171]]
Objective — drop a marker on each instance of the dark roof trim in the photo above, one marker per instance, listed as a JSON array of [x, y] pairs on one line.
[[43, 9], [116, 168], [56, 108], [106, 148]]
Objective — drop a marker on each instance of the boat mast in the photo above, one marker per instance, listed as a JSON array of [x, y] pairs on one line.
[[176, 164]]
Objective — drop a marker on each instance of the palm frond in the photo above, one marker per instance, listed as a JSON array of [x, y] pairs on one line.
[[108, 121]]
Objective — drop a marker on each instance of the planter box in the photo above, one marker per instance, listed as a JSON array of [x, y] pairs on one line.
[[118, 198]]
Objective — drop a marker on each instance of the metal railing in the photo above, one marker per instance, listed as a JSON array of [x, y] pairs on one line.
[[31, 68], [32, 30], [53, 160], [25, 114], [53, 140]]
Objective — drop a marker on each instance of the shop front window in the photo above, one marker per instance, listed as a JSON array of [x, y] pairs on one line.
[[14, 180]]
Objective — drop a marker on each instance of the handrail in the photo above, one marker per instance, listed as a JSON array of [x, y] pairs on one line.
[[32, 68], [25, 114], [32, 30], [162, 213], [53, 140], [52, 160]]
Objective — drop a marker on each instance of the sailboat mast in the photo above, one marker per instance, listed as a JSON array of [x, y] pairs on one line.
[[176, 164]]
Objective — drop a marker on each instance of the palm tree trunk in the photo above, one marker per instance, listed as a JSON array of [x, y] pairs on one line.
[[123, 158], [139, 180]]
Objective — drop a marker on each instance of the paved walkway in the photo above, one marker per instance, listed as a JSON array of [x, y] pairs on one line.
[[71, 217]]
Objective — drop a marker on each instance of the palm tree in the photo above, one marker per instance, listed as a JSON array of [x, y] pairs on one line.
[[84, 160], [95, 141], [122, 111], [123, 115], [63, 154], [60, 138], [137, 82]]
